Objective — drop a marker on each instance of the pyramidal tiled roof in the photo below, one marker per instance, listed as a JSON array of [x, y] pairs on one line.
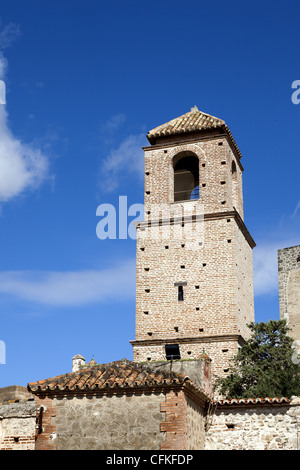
[[119, 374], [192, 121]]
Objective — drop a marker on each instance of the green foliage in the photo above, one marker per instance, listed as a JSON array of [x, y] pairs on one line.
[[264, 366]]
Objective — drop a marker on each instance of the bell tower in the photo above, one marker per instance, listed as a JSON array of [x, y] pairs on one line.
[[194, 276]]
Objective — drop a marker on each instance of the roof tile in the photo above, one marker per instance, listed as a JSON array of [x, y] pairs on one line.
[[192, 121], [252, 401], [125, 374]]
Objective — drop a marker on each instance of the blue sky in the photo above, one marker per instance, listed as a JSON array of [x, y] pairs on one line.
[[85, 81]]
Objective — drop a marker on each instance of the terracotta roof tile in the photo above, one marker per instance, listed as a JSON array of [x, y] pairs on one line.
[[123, 374], [252, 401], [192, 121]]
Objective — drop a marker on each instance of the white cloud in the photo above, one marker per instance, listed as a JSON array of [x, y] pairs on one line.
[[112, 124], [124, 161], [265, 269], [8, 34], [265, 255], [22, 166], [265, 265], [71, 288], [296, 209]]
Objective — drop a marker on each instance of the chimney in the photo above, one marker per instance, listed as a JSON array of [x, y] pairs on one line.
[[77, 362]]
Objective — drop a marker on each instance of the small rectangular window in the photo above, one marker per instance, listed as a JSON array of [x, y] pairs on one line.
[[172, 351], [180, 293]]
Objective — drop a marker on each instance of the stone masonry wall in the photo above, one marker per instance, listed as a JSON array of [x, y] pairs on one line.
[[117, 422], [289, 288], [154, 420], [17, 426], [271, 427]]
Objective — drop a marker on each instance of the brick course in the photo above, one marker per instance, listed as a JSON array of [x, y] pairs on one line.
[[46, 427]]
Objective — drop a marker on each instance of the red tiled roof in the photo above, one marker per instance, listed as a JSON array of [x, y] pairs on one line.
[[252, 401], [119, 374], [192, 121]]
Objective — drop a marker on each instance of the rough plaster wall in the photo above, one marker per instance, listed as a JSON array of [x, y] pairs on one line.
[[255, 428], [109, 422]]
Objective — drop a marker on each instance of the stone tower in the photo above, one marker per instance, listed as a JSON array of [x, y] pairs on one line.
[[194, 279], [289, 289]]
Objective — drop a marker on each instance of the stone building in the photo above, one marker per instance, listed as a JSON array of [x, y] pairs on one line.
[[17, 418], [194, 287], [120, 406], [255, 424], [289, 289]]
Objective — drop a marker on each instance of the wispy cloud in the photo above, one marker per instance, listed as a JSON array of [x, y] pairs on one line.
[[265, 254], [124, 161], [8, 33], [71, 288], [23, 166], [112, 124], [265, 269], [296, 210]]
